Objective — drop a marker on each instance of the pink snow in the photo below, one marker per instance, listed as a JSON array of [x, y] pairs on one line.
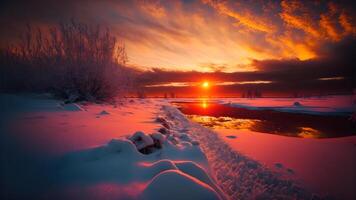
[[64, 131], [95, 158], [326, 166]]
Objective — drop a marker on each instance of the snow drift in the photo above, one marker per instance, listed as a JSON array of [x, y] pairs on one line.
[[165, 168]]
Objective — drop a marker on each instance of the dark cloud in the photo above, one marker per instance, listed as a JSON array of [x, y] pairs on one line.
[[287, 76]]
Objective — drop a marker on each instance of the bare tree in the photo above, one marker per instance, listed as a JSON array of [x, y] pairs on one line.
[[74, 60]]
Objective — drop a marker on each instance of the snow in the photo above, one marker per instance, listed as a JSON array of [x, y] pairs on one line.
[[40, 124], [93, 151], [321, 166], [239, 176], [141, 140], [326, 166], [172, 172], [173, 184], [67, 155], [159, 137]]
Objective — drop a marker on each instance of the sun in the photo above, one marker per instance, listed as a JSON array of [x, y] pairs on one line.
[[205, 84]]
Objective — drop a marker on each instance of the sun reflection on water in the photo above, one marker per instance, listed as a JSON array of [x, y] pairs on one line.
[[216, 116], [225, 122], [204, 104]]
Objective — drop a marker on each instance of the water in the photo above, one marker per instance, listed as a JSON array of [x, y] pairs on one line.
[[218, 116]]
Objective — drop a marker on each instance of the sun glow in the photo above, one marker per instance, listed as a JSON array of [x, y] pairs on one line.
[[206, 84]]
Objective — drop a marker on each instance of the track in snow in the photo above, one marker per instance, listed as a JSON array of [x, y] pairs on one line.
[[238, 176]]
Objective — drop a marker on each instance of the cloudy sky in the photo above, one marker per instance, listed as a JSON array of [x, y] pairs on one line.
[[314, 39]]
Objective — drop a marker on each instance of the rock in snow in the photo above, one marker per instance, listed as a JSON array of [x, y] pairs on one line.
[[141, 140], [104, 112]]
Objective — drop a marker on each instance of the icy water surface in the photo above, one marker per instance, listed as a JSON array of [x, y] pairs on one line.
[[218, 116]]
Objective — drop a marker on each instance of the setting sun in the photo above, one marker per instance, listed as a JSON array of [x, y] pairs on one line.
[[205, 84]]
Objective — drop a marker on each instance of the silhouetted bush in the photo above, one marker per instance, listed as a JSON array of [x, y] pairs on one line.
[[73, 60]]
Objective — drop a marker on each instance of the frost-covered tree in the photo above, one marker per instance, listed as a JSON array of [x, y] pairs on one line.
[[73, 60]]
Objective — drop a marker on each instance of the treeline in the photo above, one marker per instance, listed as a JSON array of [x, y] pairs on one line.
[[251, 94], [72, 60]]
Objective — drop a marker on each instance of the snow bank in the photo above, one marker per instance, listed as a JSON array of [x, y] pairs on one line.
[[174, 170], [239, 176], [173, 184]]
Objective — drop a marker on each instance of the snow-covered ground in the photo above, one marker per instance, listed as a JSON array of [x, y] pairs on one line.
[[239, 176], [325, 166], [88, 151]]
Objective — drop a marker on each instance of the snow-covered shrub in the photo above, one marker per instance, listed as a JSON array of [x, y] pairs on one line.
[[75, 61]]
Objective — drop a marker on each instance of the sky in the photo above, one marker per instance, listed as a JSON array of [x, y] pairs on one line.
[[273, 41]]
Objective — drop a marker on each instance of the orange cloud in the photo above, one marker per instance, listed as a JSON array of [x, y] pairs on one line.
[[296, 15], [328, 25], [153, 8], [204, 35], [244, 18], [346, 22]]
